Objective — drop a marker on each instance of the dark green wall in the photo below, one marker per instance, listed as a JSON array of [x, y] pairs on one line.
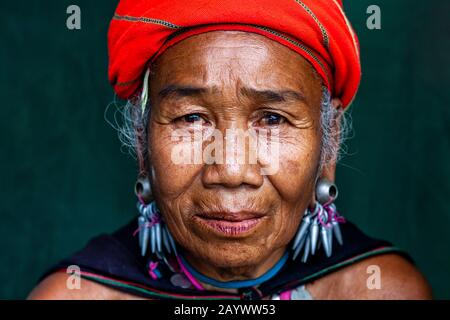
[[63, 177]]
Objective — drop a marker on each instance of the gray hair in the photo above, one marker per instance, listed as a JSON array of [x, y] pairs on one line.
[[132, 128], [336, 125]]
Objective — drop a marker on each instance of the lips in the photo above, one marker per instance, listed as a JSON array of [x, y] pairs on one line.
[[230, 223]]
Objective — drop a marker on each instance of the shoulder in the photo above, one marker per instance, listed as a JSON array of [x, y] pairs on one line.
[[388, 276], [116, 253], [55, 287]]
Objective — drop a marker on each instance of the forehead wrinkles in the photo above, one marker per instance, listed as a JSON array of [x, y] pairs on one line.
[[220, 50], [218, 74], [226, 61], [223, 66]]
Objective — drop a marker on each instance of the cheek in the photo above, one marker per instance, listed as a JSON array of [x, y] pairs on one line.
[[294, 182], [172, 180], [298, 159], [173, 171]]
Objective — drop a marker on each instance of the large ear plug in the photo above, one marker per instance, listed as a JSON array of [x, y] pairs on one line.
[[326, 191], [143, 189]]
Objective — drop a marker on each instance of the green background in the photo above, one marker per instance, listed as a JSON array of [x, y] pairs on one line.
[[64, 178]]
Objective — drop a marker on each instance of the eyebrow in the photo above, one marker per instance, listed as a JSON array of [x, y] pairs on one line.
[[274, 95], [181, 91]]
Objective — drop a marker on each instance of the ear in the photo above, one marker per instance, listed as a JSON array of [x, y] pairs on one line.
[[142, 147], [329, 168], [142, 160]]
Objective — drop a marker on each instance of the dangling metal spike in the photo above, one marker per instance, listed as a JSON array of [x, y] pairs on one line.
[[306, 221], [158, 237], [153, 209], [146, 211], [299, 247], [306, 252], [337, 232], [153, 238], [140, 207], [141, 225], [319, 242], [166, 239], [330, 239], [145, 235], [324, 216], [326, 244], [314, 235]]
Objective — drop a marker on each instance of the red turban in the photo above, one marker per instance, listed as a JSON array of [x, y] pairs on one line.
[[316, 29]]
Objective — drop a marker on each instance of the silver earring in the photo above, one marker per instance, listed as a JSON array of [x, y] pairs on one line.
[[326, 191], [318, 226], [153, 231], [142, 189]]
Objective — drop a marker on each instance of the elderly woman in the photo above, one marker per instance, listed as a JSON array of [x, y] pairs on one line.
[[236, 113]]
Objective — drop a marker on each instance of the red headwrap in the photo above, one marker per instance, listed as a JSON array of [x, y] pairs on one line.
[[316, 29]]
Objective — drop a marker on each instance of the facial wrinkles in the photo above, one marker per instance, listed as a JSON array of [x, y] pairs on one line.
[[227, 77], [227, 73], [228, 67]]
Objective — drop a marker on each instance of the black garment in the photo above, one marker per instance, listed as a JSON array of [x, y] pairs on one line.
[[114, 260]]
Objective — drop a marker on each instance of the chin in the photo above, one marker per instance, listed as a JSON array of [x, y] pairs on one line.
[[208, 242], [233, 255]]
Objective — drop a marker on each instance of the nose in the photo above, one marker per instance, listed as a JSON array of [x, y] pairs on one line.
[[235, 167], [232, 175]]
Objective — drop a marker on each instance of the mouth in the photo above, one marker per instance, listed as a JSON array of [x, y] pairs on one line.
[[230, 224]]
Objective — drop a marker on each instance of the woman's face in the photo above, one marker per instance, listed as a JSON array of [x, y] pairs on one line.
[[225, 212]]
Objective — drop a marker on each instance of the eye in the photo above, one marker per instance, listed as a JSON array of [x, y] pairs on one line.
[[272, 119], [192, 119]]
